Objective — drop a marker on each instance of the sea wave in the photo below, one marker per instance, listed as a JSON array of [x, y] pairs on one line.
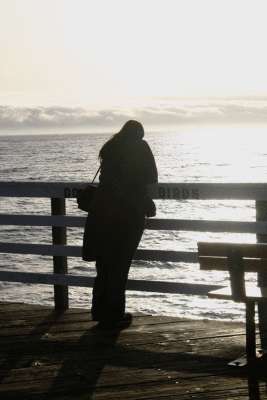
[[181, 157]]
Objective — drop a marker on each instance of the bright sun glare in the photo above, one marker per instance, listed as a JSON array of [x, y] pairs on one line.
[[160, 46]]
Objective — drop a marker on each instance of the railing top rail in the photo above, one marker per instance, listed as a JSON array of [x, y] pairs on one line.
[[176, 191]]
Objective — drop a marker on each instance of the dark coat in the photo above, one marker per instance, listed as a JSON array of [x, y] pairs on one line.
[[125, 170]]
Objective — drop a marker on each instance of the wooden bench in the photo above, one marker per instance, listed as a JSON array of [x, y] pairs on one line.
[[237, 259]]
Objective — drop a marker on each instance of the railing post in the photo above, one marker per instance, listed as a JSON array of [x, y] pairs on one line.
[[59, 235], [261, 215]]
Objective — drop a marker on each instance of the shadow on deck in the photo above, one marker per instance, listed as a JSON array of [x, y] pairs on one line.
[[46, 354]]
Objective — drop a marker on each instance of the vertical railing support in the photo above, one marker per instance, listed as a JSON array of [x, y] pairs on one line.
[[59, 235], [250, 330], [261, 215]]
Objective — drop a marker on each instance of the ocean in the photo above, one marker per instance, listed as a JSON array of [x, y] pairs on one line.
[[211, 155]]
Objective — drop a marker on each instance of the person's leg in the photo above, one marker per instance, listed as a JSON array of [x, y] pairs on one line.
[[100, 294], [117, 240], [125, 243]]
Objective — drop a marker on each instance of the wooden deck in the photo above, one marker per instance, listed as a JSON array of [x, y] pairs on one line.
[[46, 354]]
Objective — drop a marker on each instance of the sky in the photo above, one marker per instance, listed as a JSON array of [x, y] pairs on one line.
[[86, 65]]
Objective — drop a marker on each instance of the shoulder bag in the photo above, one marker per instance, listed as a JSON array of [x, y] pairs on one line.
[[85, 195]]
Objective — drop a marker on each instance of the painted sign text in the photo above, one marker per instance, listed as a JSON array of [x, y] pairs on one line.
[[180, 194]]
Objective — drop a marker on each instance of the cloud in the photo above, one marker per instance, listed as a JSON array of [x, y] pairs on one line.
[[208, 113], [157, 112], [56, 116]]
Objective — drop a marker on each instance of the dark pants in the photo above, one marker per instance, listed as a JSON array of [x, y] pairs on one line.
[[118, 241]]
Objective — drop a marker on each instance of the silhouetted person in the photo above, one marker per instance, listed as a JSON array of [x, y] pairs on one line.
[[116, 220]]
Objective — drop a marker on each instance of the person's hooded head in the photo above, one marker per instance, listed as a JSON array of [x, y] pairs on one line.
[[131, 130]]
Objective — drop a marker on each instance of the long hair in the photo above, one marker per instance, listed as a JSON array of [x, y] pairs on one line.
[[131, 130]]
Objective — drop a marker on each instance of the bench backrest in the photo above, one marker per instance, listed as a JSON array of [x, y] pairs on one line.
[[213, 256], [237, 258]]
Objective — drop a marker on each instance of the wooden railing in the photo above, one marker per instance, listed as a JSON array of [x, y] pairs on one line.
[[59, 221]]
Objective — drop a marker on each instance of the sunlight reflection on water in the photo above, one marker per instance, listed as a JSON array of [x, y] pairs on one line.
[[222, 155]]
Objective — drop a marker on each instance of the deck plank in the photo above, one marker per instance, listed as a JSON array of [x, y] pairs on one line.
[[51, 355]]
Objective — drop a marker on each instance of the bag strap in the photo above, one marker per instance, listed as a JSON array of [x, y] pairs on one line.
[[96, 174]]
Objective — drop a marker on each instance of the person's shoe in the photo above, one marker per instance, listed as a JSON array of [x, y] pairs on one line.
[[127, 319]]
